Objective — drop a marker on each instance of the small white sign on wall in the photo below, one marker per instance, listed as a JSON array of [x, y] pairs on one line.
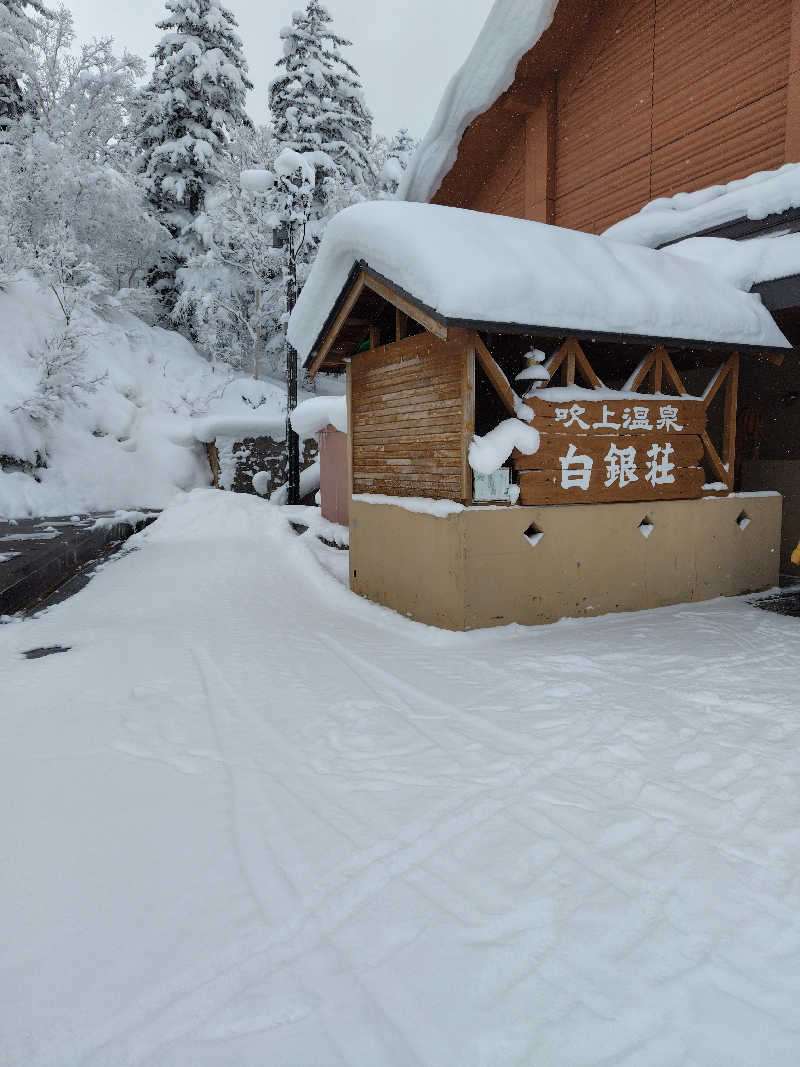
[[494, 486]]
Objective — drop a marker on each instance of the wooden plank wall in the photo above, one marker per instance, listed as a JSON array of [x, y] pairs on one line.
[[412, 418], [657, 97]]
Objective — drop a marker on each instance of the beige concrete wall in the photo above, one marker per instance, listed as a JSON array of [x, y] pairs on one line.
[[782, 475], [476, 568]]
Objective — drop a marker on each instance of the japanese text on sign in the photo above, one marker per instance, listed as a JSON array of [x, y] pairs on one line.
[[631, 418], [621, 467]]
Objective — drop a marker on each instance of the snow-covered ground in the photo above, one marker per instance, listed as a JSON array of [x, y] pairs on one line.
[[250, 819]]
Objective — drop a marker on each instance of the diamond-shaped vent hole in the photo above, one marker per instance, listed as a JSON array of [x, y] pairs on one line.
[[646, 526], [743, 520], [533, 534]]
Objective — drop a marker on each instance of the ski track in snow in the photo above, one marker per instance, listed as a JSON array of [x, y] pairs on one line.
[[252, 819]]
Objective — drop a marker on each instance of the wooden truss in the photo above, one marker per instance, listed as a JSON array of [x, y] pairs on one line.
[[654, 371]]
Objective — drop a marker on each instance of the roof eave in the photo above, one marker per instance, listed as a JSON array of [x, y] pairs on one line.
[[533, 329]]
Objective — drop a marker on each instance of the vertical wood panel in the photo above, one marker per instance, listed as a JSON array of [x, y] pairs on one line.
[[657, 97], [792, 140], [411, 418]]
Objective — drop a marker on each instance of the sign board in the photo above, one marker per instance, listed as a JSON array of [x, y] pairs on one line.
[[494, 486], [603, 451]]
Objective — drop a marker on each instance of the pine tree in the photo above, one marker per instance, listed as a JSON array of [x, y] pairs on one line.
[[317, 102], [397, 157], [189, 111], [16, 60]]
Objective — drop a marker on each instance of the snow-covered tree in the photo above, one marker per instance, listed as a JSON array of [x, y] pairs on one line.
[[393, 158], [16, 59], [83, 98], [190, 110], [317, 102]]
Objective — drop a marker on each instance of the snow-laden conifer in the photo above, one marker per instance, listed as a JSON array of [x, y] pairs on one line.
[[317, 101], [190, 110], [16, 59]]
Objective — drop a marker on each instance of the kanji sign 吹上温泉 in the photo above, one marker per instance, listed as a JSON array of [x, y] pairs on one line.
[[614, 450]]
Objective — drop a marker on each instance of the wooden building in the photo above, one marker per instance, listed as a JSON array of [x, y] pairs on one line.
[[653, 365], [619, 102]]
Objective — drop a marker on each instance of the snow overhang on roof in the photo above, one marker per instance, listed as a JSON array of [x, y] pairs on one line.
[[511, 30], [768, 197], [497, 273]]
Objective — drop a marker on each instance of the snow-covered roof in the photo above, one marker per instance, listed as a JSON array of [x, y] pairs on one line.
[[743, 263], [482, 270], [512, 29], [671, 218]]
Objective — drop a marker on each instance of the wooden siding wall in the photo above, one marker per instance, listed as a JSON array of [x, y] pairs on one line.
[[412, 418], [657, 97]]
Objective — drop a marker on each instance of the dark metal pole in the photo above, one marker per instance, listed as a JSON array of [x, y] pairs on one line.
[[292, 440]]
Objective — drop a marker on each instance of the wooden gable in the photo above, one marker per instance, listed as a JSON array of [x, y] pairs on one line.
[[622, 101]]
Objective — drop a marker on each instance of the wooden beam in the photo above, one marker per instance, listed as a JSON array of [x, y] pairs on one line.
[[494, 372], [539, 157], [717, 381], [640, 373], [400, 325], [658, 368], [729, 425], [716, 464], [374, 337], [350, 436], [390, 296], [792, 128], [552, 364], [675, 378], [585, 367], [468, 421], [338, 322], [569, 365]]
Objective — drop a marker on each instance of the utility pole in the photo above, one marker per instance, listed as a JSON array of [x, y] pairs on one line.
[[292, 440]]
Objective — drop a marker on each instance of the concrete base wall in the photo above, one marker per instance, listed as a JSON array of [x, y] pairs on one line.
[[476, 567], [782, 475]]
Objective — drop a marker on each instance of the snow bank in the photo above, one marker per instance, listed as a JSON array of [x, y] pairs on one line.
[[478, 267], [670, 218], [512, 29], [440, 509], [313, 415], [488, 454], [120, 440]]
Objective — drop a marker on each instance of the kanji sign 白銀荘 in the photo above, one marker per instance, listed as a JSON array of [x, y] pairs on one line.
[[614, 450]]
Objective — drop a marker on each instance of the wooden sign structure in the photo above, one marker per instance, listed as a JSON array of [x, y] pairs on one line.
[[626, 446]]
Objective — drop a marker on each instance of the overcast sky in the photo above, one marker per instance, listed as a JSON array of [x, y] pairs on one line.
[[405, 50]]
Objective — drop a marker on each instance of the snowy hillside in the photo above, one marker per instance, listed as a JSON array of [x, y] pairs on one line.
[[108, 426]]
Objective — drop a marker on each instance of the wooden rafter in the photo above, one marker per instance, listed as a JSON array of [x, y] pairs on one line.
[[669, 369], [342, 316], [571, 358], [585, 367], [494, 372], [728, 376], [402, 306], [425, 320], [640, 373]]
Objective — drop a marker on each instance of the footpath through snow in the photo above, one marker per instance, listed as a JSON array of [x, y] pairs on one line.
[[251, 819]]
